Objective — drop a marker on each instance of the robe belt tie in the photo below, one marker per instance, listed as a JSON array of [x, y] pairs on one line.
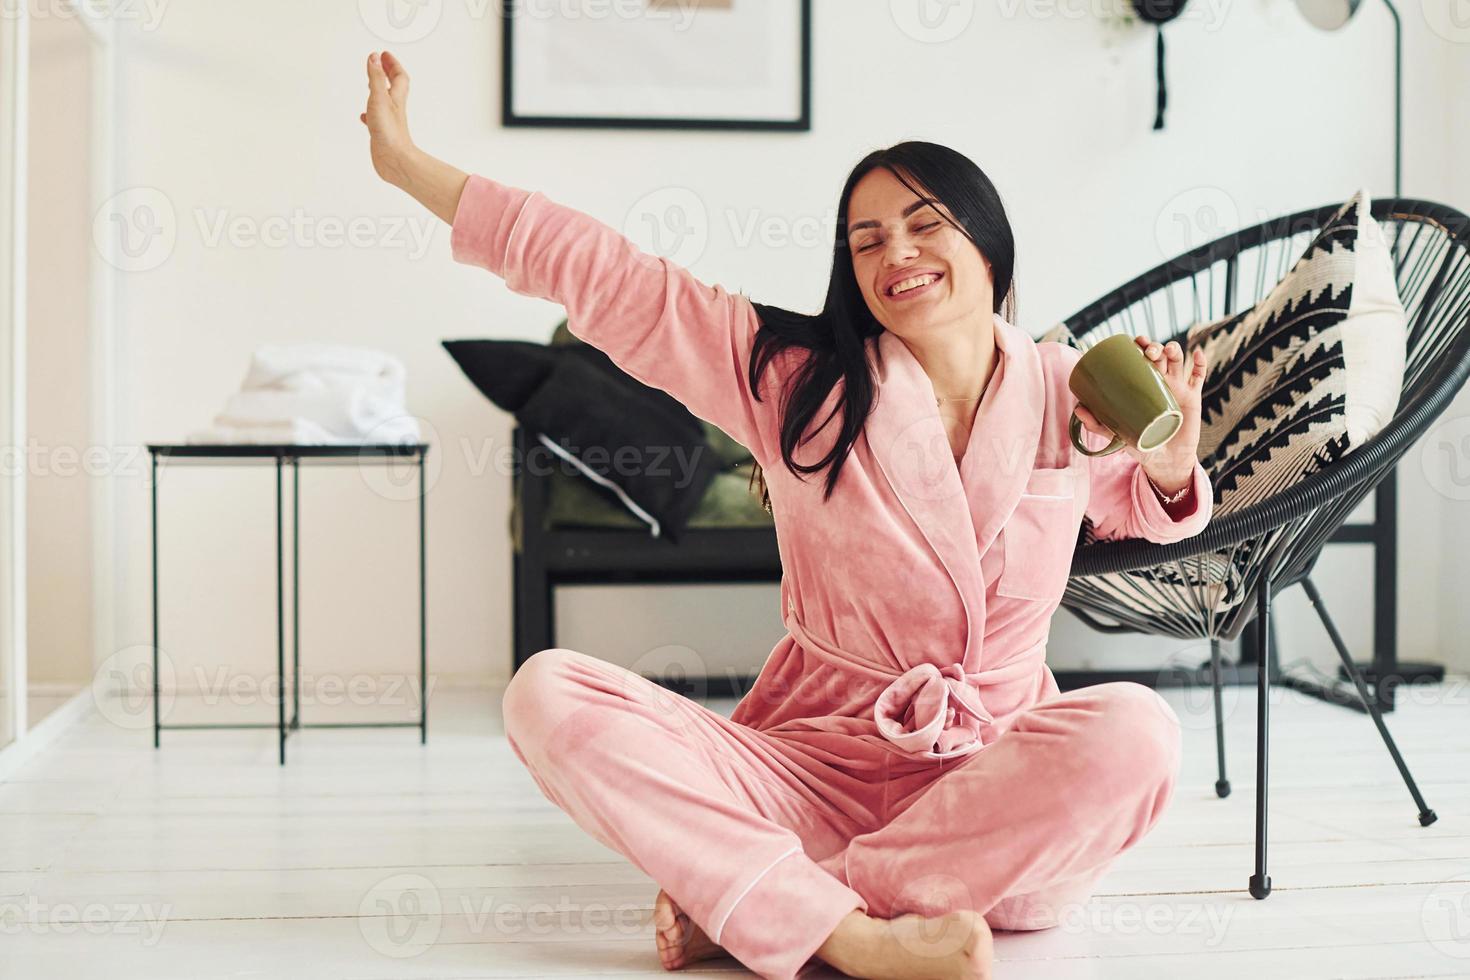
[[932, 711], [925, 711]]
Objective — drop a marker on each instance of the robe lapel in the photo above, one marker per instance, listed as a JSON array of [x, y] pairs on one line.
[[959, 510], [1006, 436]]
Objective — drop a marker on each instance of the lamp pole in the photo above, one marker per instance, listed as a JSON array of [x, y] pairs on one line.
[[1330, 15], [1398, 97]]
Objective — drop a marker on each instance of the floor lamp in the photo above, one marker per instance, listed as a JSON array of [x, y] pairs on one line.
[[1330, 15]]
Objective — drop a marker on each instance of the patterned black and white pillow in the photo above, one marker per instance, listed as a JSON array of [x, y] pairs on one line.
[[1311, 372]]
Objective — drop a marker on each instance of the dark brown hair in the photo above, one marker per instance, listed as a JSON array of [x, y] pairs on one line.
[[836, 339]]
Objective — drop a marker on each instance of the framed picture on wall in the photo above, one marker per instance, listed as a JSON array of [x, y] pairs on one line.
[[657, 64]]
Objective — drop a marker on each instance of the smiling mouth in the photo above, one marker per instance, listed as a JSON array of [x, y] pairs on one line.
[[933, 280]]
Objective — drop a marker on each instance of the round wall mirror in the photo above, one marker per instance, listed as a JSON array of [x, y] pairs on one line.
[[1329, 15]]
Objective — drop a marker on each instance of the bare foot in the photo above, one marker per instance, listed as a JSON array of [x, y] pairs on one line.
[[953, 946], [680, 941]]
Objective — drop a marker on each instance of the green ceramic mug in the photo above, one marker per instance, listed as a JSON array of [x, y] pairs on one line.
[[1122, 388]]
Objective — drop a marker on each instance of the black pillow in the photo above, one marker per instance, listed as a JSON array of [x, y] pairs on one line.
[[637, 444], [732, 454]]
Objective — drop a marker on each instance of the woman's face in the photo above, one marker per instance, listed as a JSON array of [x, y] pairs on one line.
[[894, 236]]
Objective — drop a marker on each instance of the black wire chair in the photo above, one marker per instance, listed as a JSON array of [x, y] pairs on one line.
[[1274, 543]]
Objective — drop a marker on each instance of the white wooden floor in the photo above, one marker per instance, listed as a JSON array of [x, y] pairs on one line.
[[369, 856]]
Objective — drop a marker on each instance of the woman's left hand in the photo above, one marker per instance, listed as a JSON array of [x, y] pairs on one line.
[[1171, 465]]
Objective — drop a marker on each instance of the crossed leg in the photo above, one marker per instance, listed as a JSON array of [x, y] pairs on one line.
[[695, 801], [1025, 827], [701, 805]]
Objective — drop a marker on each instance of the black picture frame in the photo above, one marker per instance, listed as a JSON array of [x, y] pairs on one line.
[[510, 118]]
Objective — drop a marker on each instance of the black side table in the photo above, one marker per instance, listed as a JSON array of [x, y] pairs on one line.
[[282, 456]]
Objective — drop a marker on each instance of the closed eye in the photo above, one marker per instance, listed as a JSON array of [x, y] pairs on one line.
[[929, 227]]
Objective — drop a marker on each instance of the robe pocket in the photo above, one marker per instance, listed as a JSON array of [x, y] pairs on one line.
[[1040, 537]]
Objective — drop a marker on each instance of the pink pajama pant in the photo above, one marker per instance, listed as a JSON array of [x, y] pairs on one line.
[[768, 847]]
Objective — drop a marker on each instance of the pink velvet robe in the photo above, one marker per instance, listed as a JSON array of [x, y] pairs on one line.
[[917, 599]]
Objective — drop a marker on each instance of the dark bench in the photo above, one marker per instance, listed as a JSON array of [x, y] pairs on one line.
[[563, 531]]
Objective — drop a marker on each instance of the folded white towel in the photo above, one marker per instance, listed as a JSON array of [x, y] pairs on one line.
[[315, 393], [346, 411], [306, 363]]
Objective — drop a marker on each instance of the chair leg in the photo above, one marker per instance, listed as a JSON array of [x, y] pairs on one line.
[[1275, 650], [1260, 882], [1426, 815], [1222, 785]]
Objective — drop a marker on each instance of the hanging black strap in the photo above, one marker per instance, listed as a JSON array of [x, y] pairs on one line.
[[1163, 92]]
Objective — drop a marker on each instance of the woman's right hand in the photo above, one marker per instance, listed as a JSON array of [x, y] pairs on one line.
[[387, 117]]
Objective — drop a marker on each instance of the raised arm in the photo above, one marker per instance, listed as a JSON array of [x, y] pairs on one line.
[[654, 319], [433, 183], [1123, 504], [1126, 488]]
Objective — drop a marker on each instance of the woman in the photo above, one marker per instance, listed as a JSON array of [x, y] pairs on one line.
[[846, 810]]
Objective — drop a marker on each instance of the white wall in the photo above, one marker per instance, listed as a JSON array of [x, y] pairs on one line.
[[14, 54], [1454, 518], [250, 110], [59, 520]]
